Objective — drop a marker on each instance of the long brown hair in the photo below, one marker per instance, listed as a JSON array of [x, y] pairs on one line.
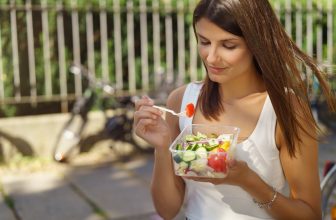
[[276, 58]]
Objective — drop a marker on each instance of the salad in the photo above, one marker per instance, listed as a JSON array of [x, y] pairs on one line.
[[202, 155]]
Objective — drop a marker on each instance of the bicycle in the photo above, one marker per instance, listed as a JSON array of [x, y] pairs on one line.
[[320, 106], [117, 128], [328, 189]]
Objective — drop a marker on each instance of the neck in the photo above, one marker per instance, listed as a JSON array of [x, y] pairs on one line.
[[241, 87]]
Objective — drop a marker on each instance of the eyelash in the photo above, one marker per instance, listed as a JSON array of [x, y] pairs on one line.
[[207, 43]]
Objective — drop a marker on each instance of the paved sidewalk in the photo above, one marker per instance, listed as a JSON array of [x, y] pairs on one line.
[[111, 190]]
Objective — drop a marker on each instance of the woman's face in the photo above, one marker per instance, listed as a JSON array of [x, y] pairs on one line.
[[225, 55]]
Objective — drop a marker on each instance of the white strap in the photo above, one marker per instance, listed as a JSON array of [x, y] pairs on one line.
[[191, 94]]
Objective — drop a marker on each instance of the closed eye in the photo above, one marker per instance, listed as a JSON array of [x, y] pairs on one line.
[[230, 47], [202, 42]]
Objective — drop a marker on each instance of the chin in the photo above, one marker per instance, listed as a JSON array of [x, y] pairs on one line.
[[218, 78]]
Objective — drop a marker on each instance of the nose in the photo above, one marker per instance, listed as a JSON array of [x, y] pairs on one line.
[[212, 55]]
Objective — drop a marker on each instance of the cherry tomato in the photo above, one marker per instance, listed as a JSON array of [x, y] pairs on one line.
[[190, 110], [217, 161]]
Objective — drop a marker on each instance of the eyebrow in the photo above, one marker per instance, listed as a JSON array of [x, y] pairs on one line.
[[224, 40]]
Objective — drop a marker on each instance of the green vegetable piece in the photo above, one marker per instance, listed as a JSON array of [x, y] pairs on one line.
[[179, 147], [201, 136], [190, 137], [195, 147], [192, 147], [213, 143], [189, 156]]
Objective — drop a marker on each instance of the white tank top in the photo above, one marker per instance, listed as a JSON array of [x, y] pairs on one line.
[[205, 201]]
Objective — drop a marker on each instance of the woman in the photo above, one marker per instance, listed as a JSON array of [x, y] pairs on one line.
[[252, 82]]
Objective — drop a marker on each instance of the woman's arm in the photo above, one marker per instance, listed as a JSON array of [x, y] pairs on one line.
[[166, 188], [303, 179], [302, 175]]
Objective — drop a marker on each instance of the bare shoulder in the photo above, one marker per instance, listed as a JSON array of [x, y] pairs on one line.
[[175, 98], [303, 117]]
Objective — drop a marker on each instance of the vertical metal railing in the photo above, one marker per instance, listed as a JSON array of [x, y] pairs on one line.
[[61, 56], [181, 44], [169, 41], [127, 43], [31, 52], [130, 47], [330, 35], [298, 24], [90, 42], [309, 27], [15, 51], [2, 87], [76, 45], [192, 47], [46, 49], [156, 41], [103, 41], [144, 45], [117, 47], [288, 17]]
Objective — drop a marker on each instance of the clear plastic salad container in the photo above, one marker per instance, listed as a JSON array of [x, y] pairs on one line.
[[203, 150]]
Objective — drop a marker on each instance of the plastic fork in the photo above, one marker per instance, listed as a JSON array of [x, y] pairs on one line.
[[189, 110], [180, 114]]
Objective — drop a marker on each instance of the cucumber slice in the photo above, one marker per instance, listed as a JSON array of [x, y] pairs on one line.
[[183, 165], [189, 156], [201, 152]]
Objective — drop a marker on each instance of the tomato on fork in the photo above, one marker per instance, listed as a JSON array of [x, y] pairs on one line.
[[190, 110]]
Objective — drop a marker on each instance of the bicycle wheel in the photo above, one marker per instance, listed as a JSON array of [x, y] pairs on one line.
[[68, 139], [328, 187]]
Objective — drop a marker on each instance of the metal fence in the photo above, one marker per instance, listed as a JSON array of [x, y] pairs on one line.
[[123, 44]]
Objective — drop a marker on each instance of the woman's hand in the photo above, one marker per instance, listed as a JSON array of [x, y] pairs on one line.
[[149, 125], [239, 174]]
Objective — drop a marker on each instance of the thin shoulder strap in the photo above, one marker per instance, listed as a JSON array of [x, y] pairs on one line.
[[190, 95], [265, 130]]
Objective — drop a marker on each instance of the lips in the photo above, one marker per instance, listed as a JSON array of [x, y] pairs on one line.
[[213, 69]]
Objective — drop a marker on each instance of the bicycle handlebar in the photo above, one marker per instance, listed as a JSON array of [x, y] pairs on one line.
[[81, 70]]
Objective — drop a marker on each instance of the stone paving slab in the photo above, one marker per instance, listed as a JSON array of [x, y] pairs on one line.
[[142, 168], [114, 190], [5, 212], [45, 196]]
